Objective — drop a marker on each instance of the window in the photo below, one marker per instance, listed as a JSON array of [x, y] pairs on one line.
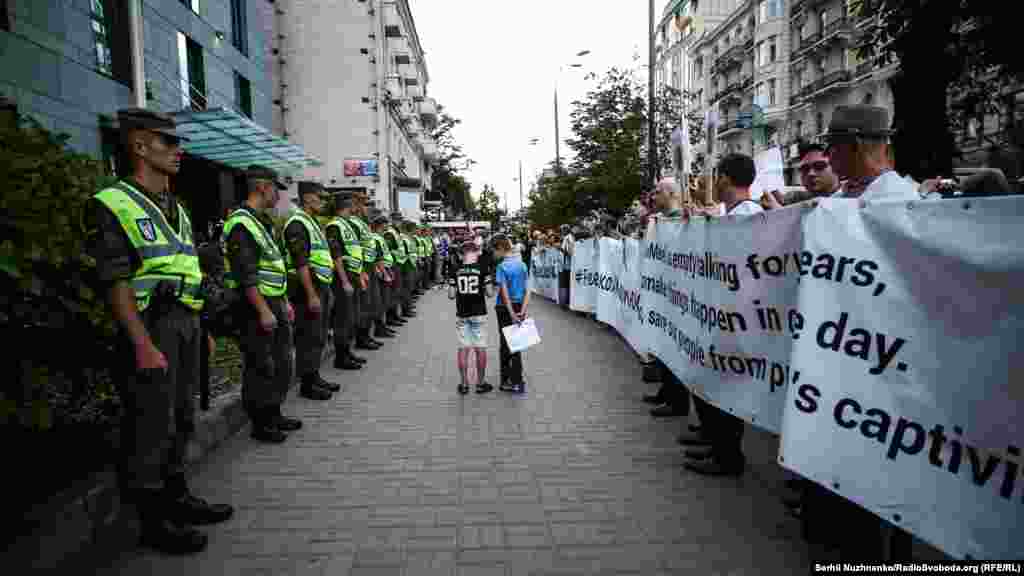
[[243, 95], [5, 23], [111, 48], [761, 95], [193, 4], [239, 27], [766, 52], [101, 37], [771, 92], [799, 130], [823, 20], [769, 9], [819, 123], [192, 73]]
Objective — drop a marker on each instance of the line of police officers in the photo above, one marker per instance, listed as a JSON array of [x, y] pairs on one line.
[[359, 273]]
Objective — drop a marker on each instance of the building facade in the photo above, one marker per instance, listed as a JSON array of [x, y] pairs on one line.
[[349, 83], [684, 22], [742, 66], [71, 64]]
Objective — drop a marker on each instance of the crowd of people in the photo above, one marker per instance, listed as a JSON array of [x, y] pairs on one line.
[[854, 162], [280, 295], [359, 278]]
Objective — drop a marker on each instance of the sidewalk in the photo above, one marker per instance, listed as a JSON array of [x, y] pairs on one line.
[[397, 474]]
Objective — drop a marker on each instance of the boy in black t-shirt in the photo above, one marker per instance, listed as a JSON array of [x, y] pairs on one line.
[[469, 288]]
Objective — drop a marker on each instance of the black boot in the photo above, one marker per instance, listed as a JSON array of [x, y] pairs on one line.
[[160, 532], [185, 508], [346, 363], [326, 384], [310, 388], [264, 427], [283, 423]]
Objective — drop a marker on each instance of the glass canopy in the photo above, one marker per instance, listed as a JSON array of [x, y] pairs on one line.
[[223, 136]]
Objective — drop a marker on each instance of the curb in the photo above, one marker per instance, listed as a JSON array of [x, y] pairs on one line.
[[87, 523]]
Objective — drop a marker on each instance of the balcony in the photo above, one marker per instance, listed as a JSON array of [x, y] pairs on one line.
[[429, 150], [824, 84], [864, 68], [746, 81], [414, 91], [835, 26], [806, 43], [428, 110], [729, 126], [798, 6]]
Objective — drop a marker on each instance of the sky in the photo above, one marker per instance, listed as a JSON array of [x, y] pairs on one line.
[[494, 65]]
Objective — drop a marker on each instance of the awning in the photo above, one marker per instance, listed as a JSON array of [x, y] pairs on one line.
[[224, 136]]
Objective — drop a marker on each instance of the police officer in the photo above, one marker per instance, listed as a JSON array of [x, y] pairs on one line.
[[256, 266], [141, 240], [398, 252], [378, 221], [310, 273], [348, 282], [369, 296], [412, 269]]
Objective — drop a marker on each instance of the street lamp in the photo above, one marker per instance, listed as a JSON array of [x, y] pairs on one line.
[[558, 155], [531, 142]]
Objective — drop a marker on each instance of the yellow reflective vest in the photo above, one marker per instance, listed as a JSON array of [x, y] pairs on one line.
[[167, 255], [320, 261], [273, 279], [353, 257]]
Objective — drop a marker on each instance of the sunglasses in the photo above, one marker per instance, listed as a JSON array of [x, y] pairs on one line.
[[819, 166]]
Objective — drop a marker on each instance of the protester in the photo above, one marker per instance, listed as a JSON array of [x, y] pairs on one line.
[[470, 290], [718, 444], [858, 147], [816, 176], [510, 307], [672, 398]]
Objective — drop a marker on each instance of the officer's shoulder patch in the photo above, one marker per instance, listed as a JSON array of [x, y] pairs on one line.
[[146, 228]]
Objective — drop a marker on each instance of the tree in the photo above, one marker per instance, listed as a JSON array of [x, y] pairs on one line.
[[608, 128], [553, 200], [446, 181], [963, 53], [487, 208]]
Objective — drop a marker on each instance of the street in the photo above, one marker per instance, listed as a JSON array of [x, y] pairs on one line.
[[397, 474]]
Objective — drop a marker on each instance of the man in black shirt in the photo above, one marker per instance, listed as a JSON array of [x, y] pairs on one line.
[[469, 289]]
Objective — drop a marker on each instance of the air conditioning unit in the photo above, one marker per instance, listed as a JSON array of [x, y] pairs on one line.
[[393, 84], [428, 109]]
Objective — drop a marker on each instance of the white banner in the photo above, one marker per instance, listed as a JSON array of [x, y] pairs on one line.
[[544, 266], [909, 399], [882, 341], [719, 327], [583, 283], [618, 290]]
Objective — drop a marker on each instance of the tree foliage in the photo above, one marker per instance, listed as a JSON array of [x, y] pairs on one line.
[[957, 63], [610, 167], [51, 293], [488, 205], [446, 181]]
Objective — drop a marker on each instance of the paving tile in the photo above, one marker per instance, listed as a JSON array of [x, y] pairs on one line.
[[399, 475]]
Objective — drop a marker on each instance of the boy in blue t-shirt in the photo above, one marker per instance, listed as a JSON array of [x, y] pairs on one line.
[[513, 298]]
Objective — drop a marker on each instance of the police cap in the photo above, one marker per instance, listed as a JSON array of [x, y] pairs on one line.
[[149, 120], [257, 172], [343, 200]]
